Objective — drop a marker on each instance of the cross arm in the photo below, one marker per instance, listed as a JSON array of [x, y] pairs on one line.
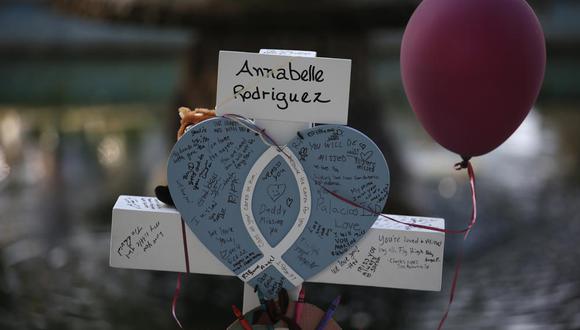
[[147, 234]]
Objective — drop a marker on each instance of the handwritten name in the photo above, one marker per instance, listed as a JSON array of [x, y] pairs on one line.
[[282, 99]]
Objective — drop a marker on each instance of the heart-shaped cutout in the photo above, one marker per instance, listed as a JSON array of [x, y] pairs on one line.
[[264, 211], [275, 191]]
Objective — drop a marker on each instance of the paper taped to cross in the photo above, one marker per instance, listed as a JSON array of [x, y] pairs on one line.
[[391, 255], [282, 87]]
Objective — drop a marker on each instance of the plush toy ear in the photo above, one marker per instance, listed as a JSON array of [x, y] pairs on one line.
[[183, 111], [162, 194], [191, 117]]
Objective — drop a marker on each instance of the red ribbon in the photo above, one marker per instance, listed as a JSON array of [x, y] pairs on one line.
[[460, 256], [174, 300], [178, 285]]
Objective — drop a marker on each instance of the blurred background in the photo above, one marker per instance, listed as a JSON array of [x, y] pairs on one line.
[[88, 97]]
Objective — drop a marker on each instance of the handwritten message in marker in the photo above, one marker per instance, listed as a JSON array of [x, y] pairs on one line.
[[286, 88], [266, 212]]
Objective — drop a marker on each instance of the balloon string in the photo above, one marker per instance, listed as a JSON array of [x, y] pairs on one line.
[[178, 284], [458, 263], [410, 224], [459, 260]]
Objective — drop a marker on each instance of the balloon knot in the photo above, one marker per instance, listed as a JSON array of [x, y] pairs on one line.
[[463, 164]]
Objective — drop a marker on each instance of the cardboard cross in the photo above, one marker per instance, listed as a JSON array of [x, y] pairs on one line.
[[147, 234]]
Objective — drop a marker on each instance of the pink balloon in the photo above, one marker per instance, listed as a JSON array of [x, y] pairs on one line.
[[472, 70]]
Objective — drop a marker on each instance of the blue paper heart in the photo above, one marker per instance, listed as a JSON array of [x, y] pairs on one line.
[[263, 211]]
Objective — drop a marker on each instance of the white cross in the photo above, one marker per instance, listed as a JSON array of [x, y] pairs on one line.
[[147, 234]]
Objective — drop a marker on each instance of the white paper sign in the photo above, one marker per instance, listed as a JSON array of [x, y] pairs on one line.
[[285, 88]]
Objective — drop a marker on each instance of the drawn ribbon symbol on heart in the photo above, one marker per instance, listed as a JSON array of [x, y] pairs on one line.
[[262, 210]]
